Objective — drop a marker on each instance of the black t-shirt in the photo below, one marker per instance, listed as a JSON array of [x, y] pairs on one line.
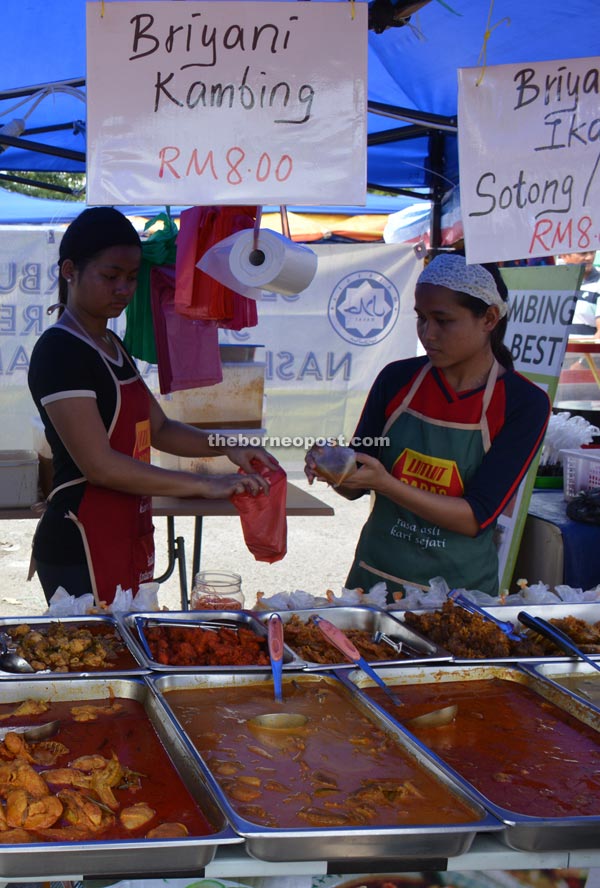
[[65, 364]]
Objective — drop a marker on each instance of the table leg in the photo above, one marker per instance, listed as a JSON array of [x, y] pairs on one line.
[[197, 552], [593, 368], [180, 543], [176, 553]]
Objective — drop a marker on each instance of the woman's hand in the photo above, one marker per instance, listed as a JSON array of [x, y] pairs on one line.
[[243, 456], [370, 475], [310, 467], [224, 486]]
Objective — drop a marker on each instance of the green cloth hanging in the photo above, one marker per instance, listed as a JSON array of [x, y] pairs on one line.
[[158, 249]]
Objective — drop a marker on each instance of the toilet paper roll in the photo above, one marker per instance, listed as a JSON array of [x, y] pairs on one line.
[[215, 262], [271, 262]]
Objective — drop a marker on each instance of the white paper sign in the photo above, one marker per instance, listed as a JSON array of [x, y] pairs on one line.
[[529, 159], [220, 102]]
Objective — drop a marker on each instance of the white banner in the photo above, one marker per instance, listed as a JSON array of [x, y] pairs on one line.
[[324, 347], [226, 103], [28, 285], [529, 159]]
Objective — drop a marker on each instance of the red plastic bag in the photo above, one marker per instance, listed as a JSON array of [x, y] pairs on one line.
[[263, 517]]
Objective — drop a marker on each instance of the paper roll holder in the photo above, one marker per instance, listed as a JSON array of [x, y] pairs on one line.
[[256, 257]]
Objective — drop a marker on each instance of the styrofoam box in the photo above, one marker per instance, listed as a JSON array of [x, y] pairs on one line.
[[18, 478], [581, 471]]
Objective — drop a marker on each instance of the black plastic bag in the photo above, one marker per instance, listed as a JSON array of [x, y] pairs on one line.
[[585, 507]]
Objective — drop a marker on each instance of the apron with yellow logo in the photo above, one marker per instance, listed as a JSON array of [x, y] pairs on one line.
[[399, 547]]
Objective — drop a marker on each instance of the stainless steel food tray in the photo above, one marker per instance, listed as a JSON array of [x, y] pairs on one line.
[[522, 832], [415, 647], [392, 843], [134, 624], [41, 622], [587, 678], [135, 857], [590, 613]]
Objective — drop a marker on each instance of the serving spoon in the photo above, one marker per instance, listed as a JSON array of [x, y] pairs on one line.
[[560, 638], [33, 732], [341, 641], [12, 662], [275, 640], [280, 722]]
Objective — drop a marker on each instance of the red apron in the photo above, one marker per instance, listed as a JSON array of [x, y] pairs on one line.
[[116, 528]]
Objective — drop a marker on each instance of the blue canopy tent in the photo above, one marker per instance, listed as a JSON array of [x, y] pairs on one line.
[[415, 49]]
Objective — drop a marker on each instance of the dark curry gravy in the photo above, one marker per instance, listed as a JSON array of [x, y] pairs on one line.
[[341, 769], [520, 751]]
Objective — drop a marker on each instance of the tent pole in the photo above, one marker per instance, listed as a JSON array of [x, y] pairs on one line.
[[35, 183], [436, 166], [25, 144]]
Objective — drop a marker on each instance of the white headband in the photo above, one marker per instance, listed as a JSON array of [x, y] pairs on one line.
[[451, 270]]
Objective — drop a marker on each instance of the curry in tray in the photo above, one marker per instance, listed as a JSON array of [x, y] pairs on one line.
[[520, 751], [341, 769], [469, 636], [71, 646], [103, 775]]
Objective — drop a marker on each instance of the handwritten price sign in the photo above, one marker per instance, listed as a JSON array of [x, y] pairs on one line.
[[529, 158], [226, 102]]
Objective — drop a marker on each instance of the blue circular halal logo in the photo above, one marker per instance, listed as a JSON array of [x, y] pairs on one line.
[[363, 307]]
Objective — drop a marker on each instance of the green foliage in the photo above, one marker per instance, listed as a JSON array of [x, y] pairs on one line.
[[70, 186]]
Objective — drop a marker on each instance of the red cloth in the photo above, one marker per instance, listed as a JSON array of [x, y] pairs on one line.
[[197, 294], [187, 350]]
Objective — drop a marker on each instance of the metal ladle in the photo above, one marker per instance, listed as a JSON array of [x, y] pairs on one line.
[[33, 732], [12, 662]]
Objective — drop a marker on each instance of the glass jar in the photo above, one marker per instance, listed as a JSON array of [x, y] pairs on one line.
[[217, 590]]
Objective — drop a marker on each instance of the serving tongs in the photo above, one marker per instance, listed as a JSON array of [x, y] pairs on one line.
[[560, 638], [211, 625], [504, 625], [379, 636]]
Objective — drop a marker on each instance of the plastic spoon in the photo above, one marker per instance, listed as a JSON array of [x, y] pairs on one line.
[[560, 638], [275, 631], [341, 641]]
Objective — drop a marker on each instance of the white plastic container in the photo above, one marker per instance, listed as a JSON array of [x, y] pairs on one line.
[[18, 478], [581, 470]]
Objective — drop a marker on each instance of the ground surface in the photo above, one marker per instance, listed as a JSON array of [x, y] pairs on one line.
[[320, 551]]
